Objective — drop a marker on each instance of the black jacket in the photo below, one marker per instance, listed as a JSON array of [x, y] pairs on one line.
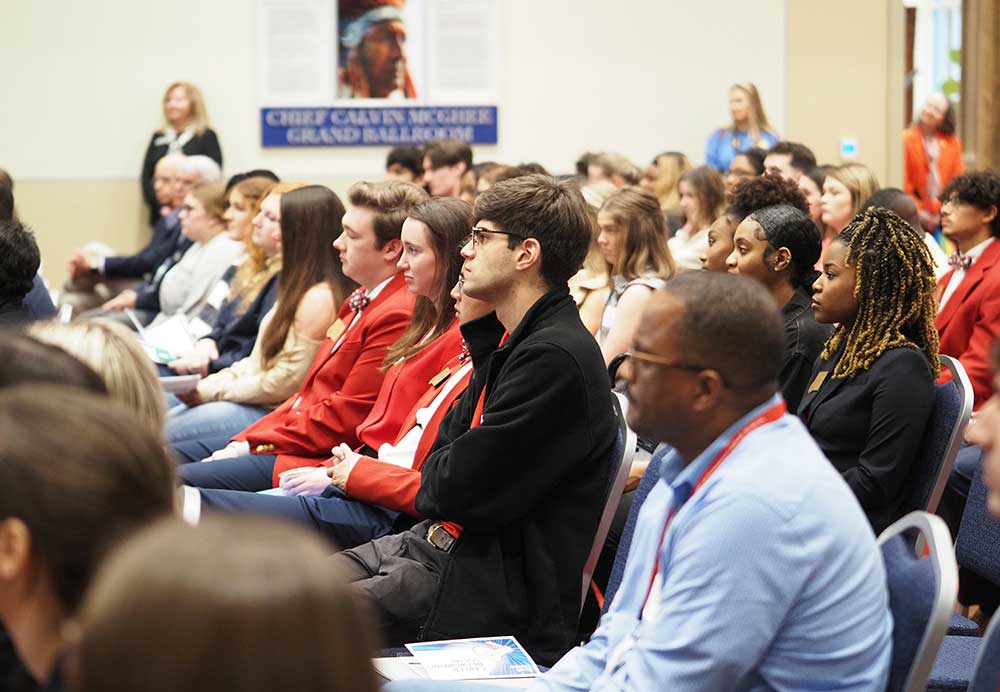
[[165, 232], [235, 332], [206, 144], [527, 484], [804, 339], [871, 426]]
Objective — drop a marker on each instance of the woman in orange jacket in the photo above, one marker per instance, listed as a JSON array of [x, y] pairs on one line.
[[932, 156]]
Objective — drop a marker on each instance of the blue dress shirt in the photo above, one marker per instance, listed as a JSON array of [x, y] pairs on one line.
[[719, 152], [771, 580]]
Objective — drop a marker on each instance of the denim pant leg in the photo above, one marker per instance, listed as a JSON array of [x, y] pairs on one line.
[[251, 472], [211, 419], [345, 521], [194, 433]]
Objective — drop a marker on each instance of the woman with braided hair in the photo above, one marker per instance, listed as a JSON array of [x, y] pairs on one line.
[[778, 246], [872, 389]]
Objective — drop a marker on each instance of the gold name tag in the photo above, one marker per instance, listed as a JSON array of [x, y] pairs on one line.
[[818, 382], [336, 330], [440, 377]]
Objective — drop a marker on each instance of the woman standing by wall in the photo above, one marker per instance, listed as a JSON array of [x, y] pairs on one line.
[[932, 156], [185, 130], [749, 128]]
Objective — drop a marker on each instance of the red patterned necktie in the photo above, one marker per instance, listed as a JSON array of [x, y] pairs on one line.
[[464, 355], [358, 301], [959, 261]]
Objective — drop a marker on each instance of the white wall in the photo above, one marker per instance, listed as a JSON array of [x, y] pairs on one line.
[[84, 80]]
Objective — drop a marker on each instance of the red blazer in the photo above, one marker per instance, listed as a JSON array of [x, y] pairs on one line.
[[340, 388], [395, 487], [404, 384], [970, 322], [916, 166]]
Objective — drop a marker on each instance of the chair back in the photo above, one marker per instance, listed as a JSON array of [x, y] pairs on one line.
[[942, 439], [649, 479], [986, 677], [922, 592], [977, 546], [621, 461]]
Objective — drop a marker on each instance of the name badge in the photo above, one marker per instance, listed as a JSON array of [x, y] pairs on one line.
[[440, 377], [336, 330], [818, 382]]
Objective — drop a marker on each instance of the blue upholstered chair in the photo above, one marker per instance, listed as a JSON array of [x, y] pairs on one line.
[[622, 456], [978, 549], [922, 592], [968, 663], [942, 439]]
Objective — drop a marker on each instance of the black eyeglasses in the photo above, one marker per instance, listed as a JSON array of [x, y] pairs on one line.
[[655, 359], [478, 235], [660, 360]]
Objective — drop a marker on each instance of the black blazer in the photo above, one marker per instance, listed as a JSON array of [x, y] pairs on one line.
[[804, 339], [871, 426], [206, 143], [235, 332], [165, 232]]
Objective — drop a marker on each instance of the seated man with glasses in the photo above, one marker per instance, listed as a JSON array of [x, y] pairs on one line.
[[515, 483], [752, 566]]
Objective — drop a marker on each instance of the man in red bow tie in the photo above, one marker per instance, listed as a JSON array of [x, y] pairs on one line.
[[969, 295], [345, 377]]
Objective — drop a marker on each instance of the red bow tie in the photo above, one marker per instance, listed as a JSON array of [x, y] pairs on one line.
[[959, 261], [358, 301]]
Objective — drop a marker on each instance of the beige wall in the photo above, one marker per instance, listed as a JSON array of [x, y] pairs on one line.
[[66, 213], [845, 79], [825, 69]]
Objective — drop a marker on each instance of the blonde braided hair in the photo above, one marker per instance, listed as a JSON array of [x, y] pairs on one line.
[[895, 291]]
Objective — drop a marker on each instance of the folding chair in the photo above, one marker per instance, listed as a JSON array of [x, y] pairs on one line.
[[621, 461], [942, 439], [977, 548], [922, 592]]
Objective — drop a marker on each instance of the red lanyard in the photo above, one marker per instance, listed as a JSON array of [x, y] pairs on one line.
[[477, 415], [769, 416]]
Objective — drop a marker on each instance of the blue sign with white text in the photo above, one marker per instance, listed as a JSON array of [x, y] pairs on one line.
[[383, 126]]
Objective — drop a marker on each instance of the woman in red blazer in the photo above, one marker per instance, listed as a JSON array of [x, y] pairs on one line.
[[421, 358], [932, 156]]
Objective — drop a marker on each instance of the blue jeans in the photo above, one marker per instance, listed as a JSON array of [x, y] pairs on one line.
[[347, 521], [194, 433]]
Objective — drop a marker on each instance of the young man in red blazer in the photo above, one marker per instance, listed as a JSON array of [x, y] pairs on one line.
[[345, 377], [969, 295]]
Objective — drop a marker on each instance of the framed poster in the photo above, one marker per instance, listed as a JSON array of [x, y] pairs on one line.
[[377, 72]]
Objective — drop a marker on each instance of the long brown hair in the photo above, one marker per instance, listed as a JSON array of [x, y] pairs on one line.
[[262, 596], [638, 214], [710, 190], [448, 221], [758, 118], [310, 222]]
